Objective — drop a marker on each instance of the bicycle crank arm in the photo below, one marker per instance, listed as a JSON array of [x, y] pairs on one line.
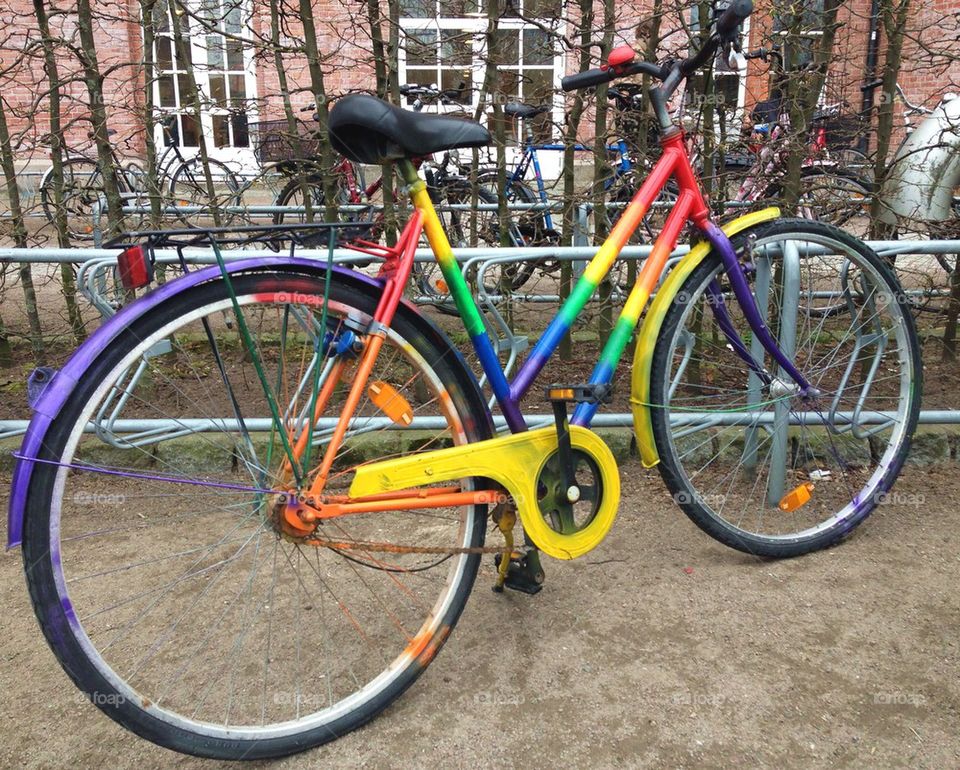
[[516, 462]]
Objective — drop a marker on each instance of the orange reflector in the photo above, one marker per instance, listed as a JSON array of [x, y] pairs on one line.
[[796, 497], [561, 394], [442, 286], [390, 402]]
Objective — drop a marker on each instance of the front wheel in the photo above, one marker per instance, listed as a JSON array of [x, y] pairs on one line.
[[161, 572], [757, 465]]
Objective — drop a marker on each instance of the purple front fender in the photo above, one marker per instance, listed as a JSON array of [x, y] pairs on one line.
[[59, 390]]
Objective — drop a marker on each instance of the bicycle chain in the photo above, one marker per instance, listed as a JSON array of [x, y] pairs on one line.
[[365, 545]]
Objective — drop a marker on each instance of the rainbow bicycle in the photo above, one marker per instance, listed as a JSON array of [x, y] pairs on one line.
[[253, 505]]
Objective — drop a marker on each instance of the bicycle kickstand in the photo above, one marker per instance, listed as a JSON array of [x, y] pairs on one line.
[[522, 570]]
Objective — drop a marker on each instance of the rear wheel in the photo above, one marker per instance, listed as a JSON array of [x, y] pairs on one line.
[[737, 454], [307, 193], [161, 573], [834, 196], [188, 188], [83, 187]]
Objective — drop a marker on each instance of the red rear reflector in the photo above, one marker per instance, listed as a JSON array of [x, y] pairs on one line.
[[136, 270]]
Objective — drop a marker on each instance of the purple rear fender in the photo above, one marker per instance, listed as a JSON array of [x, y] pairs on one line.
[[59, 390]]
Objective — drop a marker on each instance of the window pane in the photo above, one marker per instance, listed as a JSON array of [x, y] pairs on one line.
[[186, 97], [803, 15], [238, 90], [460, 81], [221, 134], [542, 9], [455, 47], [241, 132], [538, 86], [161, 21], [458, 8], [421, 48], [214, 45], [234, 55], [506, 46], [537, 47], [418, 9], [164, 54], [218, 90], [234, 21], [189, 135], [208, 11], [508, 86], [512, 8], [421, 78], [168, 97]]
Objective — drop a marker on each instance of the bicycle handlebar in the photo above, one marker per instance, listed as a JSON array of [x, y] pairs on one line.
[[730, 20], [670, 73], [606, 73]]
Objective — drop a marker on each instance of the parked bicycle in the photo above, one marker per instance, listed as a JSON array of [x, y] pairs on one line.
[[286, 582], [182, 179]]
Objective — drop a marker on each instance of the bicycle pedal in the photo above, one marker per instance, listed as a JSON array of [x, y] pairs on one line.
[[524, 574], [588, 393]]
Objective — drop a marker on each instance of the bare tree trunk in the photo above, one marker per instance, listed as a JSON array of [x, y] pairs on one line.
[[601, 172], [574, 117], [181, 46], [323, 109], [801, 91], [154, 193], [646, 122], [20, 238], [389, 189], [6, 355], [57, 149], [893, 15], [953, 311], [293, 128], [98, 114]]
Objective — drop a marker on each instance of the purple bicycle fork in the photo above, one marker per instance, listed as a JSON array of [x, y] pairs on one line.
[[741, 290]]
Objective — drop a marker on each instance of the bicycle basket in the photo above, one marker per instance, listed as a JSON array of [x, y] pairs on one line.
[[274, 143], [843, 130]]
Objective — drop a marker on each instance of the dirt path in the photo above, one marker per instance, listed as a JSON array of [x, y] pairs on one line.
[[660, 648]]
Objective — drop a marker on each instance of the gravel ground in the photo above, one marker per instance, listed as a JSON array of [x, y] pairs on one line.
[[660, 648]]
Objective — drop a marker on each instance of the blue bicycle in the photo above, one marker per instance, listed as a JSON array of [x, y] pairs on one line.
[[536, 227]]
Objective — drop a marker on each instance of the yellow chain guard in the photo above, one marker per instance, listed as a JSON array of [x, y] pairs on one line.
[[514, 461]]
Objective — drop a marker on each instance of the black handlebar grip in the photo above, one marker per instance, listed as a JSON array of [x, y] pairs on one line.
[[732, 17], [587, 79]]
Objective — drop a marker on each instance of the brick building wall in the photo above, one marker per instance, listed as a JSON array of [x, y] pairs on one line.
[[343, 38]]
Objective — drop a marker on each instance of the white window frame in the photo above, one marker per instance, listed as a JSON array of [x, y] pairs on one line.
[[476, 25], [240, 159]]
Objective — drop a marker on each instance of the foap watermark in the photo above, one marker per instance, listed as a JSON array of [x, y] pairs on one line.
[[713, 501], [99, 498], [299, 699], [498, 698], [896, 497], [98, 698], [899, 698], [691, 698]]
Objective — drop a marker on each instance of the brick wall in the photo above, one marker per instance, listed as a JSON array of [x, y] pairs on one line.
[[346, 48]]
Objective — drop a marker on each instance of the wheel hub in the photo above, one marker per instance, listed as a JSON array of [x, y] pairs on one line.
[[290, 515]]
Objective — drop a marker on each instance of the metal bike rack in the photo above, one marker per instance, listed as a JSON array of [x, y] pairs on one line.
[[94, 283]]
